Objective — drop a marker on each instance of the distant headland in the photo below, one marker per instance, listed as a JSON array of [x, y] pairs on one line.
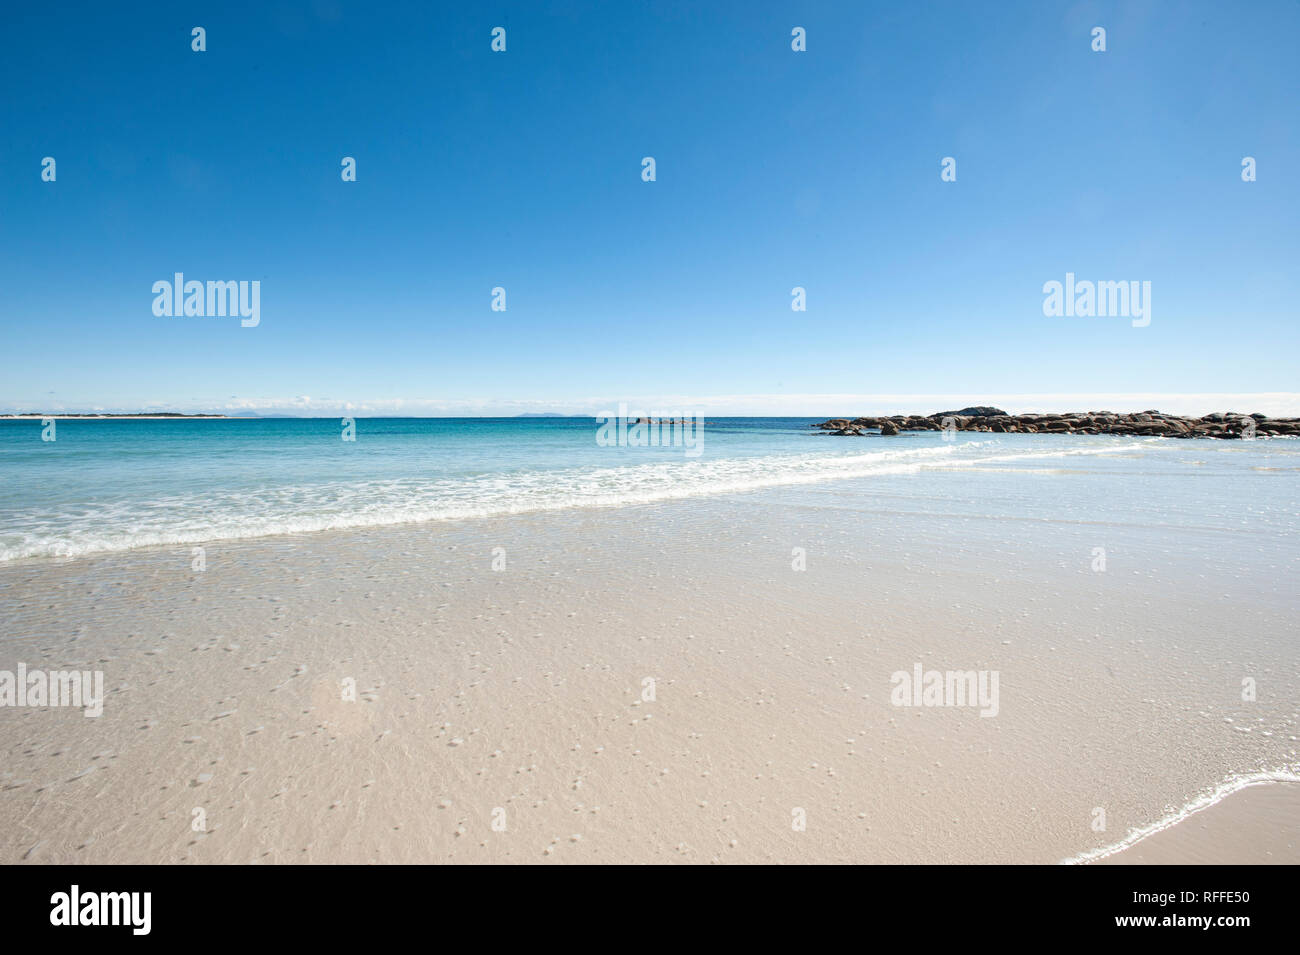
[[142, 414]]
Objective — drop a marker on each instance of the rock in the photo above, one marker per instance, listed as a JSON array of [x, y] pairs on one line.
[[1151, 423]]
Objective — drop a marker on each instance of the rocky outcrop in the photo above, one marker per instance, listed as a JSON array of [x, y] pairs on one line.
[[1221, 424]]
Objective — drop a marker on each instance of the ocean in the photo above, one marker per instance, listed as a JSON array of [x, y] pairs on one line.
[[114, 485]]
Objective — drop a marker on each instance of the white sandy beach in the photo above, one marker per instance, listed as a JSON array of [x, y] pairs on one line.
[[517, 695]]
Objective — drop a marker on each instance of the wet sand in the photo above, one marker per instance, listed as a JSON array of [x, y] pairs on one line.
[[1259, 825], [520, 697]]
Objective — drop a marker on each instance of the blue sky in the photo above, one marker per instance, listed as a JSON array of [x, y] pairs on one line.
[[522, 169]]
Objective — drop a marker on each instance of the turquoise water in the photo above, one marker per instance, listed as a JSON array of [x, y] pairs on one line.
[[109, 485]]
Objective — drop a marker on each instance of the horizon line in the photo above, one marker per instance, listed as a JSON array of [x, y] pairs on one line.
[[1190, 404]]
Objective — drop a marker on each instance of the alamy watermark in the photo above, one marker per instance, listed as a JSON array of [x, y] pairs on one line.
[[946, 688], [193, 299], [83, 689], [651, 431], [1098, 299], [75, 907]]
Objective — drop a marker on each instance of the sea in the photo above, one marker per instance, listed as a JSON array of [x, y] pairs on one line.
[[105, 485]]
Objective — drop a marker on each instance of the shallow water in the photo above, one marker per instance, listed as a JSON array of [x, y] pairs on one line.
[[106, 486]]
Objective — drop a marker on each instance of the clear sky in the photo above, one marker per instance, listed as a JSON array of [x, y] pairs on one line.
[[522, 169]]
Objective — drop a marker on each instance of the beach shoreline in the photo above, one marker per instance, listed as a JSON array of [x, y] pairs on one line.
[[1252, 823], [523, 690]]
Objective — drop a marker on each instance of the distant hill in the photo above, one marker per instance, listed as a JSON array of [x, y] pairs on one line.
[[979, 411]]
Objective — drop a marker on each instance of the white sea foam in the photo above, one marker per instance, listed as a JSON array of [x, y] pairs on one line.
[[1204, 800], [293, 509]]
